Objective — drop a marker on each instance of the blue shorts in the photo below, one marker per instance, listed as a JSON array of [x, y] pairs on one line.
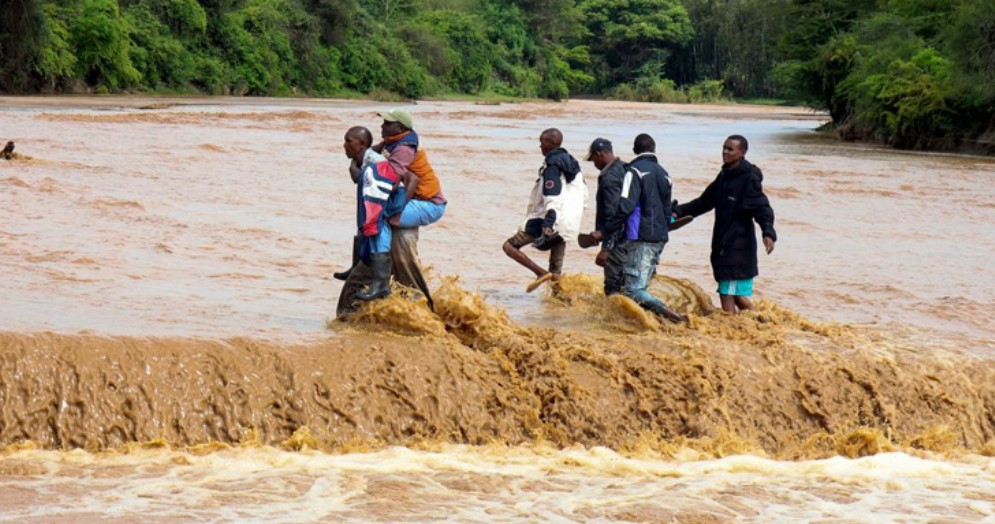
[[736, 288]]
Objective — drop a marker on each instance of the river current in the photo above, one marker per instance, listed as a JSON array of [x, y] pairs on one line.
[[169, 352]]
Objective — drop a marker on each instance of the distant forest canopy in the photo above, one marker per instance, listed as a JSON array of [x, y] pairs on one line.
[[911, 73]]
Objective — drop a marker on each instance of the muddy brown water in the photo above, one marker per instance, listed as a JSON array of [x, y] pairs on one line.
[[167, 286]]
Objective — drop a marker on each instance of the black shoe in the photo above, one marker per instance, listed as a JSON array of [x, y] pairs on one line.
[[380, 288], [342, 275]]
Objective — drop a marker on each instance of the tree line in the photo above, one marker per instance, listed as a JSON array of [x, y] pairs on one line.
[[911, 73]]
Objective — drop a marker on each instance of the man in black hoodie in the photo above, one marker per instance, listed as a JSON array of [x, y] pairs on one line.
[[738, 198], [644, 210], [558, 169]]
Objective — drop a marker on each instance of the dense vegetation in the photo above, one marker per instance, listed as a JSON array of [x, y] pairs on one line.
[[912, 73]]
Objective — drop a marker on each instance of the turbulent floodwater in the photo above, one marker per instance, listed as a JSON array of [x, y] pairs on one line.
[[166, 316]]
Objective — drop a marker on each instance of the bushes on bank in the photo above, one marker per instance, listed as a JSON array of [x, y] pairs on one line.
[[663, 90]]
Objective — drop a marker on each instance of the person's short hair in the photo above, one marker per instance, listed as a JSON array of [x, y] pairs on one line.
[[554, 134], [743, 143], [643, 144], [363, 134], [597, 146]]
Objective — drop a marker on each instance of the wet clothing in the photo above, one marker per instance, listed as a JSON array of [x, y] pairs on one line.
[[644, 205], [376, 199], [527, 237], [643, 210], [738, 199], [401, 244], [426, 206], [559, 195], [640, 266], [618, 254], [736, 288], [405, 268], [406, 265], [609, 190]]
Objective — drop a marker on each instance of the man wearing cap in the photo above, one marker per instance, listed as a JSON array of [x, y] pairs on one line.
[[425, 202], [556, 206], [612, 254]]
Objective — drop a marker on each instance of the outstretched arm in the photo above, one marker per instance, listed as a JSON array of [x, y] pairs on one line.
[[701, 205]]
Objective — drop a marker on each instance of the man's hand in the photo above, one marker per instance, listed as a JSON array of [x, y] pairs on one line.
[[395, 221], [602, 258], [598, 235], [769, 244], [548, 231], [354, 171]]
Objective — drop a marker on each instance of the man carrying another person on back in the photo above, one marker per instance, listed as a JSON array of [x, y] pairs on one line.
[[376, 184], [421, 194]]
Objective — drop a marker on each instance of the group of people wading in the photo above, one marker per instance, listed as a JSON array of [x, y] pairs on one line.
[[397, 191]]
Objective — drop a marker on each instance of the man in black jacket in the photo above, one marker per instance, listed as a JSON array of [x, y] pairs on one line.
[[612, 255], [738, 199], [644, 209]]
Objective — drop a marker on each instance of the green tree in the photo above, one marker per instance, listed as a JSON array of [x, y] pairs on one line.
[[635, 37], [100, 38], [21, 39], [735, 42], [460, 53]]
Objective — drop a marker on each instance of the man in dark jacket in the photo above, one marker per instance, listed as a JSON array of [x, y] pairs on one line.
[[738, 199], [644, 209], [541, 224], [612, 255]]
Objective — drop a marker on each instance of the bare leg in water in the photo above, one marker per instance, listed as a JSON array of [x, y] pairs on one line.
[[523, 259], [730, 303]]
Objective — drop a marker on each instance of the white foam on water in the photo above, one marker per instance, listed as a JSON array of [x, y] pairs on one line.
[[488, 484]]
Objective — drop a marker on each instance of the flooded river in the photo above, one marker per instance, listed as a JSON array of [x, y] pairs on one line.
[[170, 355]]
